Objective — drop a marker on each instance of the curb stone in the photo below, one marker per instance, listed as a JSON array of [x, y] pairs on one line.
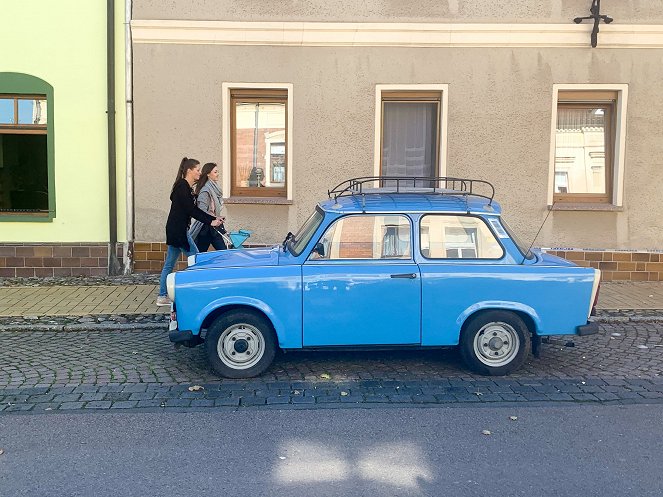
[[157, 321]]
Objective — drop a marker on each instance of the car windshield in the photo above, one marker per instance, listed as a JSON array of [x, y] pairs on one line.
[[524, 249], [298, 242]]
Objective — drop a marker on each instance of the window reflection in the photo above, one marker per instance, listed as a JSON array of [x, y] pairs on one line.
[[31, 111], [580, 149]]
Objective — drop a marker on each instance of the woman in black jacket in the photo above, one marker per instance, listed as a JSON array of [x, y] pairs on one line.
[[182, 209]]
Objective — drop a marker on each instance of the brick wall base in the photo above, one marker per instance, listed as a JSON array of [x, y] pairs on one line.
[[54, 259], [618, 266], [150, 256], [91, 259]]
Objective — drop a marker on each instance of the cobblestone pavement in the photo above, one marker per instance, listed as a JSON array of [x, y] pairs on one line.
[[55, 371]]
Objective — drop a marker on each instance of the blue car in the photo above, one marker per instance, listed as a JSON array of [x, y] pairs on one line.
[[385, 262]]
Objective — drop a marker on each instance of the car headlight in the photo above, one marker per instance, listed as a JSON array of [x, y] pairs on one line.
[[170, 286], [191, 260]]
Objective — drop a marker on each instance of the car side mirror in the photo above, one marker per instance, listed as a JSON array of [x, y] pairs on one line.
[[319, 249]]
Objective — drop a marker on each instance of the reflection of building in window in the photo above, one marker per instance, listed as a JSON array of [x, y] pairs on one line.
[[395, 241], [23, 154], [368, 237], [275, 160], [460, 243], [446, 236], [584, 146], [561, 181]]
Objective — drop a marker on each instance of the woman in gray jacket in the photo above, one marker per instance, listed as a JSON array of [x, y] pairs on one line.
[[209, 199]]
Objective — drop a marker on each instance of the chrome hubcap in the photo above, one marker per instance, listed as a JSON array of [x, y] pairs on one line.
[[496, 344], [240, 346]]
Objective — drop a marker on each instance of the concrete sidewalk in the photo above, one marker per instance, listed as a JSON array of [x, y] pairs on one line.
[[140, 299]]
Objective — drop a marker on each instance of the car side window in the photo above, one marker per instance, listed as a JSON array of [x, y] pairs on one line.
[[366, 237], [445, 236]]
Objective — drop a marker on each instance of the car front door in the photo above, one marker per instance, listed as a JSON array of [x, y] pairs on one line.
[[361, 285]]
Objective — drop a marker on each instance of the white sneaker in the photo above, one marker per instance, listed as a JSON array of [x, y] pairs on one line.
[[164, 300]]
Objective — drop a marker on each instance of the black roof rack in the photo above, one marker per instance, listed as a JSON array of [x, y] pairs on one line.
[[442, 185]]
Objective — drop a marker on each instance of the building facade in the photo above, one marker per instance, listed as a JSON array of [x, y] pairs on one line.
[[55, 210], [291, 99]]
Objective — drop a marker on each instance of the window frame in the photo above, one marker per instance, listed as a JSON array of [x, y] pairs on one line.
[[263, 93], [460, 259], [25, 86], [614, 97], [413, 93]]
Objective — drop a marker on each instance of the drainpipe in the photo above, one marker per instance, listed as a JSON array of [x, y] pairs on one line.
[[128, 255], [113, 263]]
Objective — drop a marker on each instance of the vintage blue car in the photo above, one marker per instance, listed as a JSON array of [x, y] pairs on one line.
[[385, 262]]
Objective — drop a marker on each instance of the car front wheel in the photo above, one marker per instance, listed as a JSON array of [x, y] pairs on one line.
[[495, 343], [240, 344]]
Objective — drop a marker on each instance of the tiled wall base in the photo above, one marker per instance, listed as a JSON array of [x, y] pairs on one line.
[[618, 266], [149, 257], [90, 259], [49, 259]]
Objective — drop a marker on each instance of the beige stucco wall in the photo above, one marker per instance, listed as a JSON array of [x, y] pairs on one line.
[[534, 11], [500, 102]]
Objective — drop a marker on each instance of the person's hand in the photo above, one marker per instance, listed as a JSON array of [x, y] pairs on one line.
[[216, 223], [222, 219]]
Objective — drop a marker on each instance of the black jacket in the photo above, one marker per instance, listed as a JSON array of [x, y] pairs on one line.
[[182, 209]]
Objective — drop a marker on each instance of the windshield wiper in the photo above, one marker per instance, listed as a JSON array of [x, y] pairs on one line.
[[287, 237]]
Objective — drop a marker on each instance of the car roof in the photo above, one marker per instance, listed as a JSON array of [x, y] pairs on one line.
[[411, 202]]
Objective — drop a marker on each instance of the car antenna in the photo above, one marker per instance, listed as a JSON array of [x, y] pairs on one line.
[[537, 233]]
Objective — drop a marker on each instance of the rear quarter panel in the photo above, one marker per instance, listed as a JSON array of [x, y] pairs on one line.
[[275, 290], [557, 298]]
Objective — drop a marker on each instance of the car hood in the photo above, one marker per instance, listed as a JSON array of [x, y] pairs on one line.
[[238, 258]]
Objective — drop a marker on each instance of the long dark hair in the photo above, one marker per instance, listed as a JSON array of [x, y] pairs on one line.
[[207, 168], [185, 165]]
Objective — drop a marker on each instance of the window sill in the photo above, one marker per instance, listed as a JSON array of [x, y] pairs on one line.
[[258, 200], [38, 217], [585, 206]]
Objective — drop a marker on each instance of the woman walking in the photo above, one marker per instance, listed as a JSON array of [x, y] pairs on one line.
[[210, 200], [182, 209]]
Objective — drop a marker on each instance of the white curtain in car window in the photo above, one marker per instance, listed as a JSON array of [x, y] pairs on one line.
[[409, 138]]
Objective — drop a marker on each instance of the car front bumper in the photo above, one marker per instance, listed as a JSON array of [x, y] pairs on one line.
[[591, 328], [181, 337]]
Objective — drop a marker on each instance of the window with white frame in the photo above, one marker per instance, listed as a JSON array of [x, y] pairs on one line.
[[587, 147]]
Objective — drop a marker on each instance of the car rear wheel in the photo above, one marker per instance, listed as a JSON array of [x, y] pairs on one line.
[[240, 344], [495, 343]]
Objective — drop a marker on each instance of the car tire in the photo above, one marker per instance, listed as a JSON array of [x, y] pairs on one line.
[[240, 344], [495, 343]]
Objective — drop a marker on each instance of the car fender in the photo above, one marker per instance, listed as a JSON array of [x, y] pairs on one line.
[[245, 301], [499, 305]]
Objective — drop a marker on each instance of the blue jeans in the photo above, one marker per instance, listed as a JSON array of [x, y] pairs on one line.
[[172, 255]]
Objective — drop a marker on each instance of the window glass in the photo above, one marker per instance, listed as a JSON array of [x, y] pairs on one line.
[[410, 133], [367, 237], [581, 142], [259, 142], [457, 237], [31, 111], [303, 236], [7, 111], [24, 186]]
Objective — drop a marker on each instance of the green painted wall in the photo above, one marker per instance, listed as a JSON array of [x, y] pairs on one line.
[[64, 44]]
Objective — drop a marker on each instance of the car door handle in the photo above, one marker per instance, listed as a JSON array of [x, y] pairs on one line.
[[409, 276]]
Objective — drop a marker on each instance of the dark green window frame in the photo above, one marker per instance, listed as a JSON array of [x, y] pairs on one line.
[[18, 84]]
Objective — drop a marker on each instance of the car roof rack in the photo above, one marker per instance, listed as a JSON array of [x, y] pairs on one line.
[[441, 185]]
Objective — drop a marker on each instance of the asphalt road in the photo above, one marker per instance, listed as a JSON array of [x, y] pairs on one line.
[[570, 450]]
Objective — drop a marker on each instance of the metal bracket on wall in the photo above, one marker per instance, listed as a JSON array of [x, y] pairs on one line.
[[594, 10]]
